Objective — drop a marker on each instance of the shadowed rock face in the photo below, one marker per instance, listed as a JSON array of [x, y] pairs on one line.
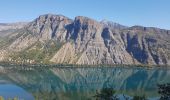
[[93, 42], [148, 45]]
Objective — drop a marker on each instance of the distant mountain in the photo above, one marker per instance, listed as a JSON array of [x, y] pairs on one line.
[[113, 25], [7, 28], [59, 39]]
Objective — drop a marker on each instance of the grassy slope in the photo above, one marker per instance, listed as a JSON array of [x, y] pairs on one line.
[[38, 53]]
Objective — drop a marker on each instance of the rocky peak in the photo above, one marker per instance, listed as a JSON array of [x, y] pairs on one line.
[[51, 18], [86, 21], [94, 42], [86, 24], [85, 27], [112, 25], [50, 26]]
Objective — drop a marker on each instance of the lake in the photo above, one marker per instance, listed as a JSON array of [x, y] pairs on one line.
[[79, 83]]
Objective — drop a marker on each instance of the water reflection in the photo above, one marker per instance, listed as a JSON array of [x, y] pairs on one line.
[[12, 91], [82, 83]]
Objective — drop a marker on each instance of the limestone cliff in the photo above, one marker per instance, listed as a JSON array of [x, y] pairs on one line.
[[87, 41]]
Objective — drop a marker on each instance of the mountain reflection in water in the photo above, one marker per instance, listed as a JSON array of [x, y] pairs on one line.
[[82, 83]]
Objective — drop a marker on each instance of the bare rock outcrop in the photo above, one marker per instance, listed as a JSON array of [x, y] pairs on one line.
[[87, 41], [50, 26]]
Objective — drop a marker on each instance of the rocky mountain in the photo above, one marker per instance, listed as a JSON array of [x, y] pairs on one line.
[[59, 39]]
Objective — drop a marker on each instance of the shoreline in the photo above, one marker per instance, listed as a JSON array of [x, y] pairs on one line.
[[84, 66]]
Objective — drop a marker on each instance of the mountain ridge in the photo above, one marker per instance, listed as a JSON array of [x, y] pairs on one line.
[[59, 39]]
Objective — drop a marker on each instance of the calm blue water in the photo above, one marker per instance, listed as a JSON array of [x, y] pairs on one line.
[[11, 91], [79, 83]]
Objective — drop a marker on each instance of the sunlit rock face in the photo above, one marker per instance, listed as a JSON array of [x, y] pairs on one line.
[[51, 26], [87, 41]]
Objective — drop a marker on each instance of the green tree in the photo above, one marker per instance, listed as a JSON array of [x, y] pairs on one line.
[[164, 91], [139, 97], [106, 94]]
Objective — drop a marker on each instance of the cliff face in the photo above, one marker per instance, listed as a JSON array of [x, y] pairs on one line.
[[86, 41], [148, 45], [50, 26]]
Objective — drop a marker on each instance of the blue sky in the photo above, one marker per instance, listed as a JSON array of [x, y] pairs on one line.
[[154, 13]]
